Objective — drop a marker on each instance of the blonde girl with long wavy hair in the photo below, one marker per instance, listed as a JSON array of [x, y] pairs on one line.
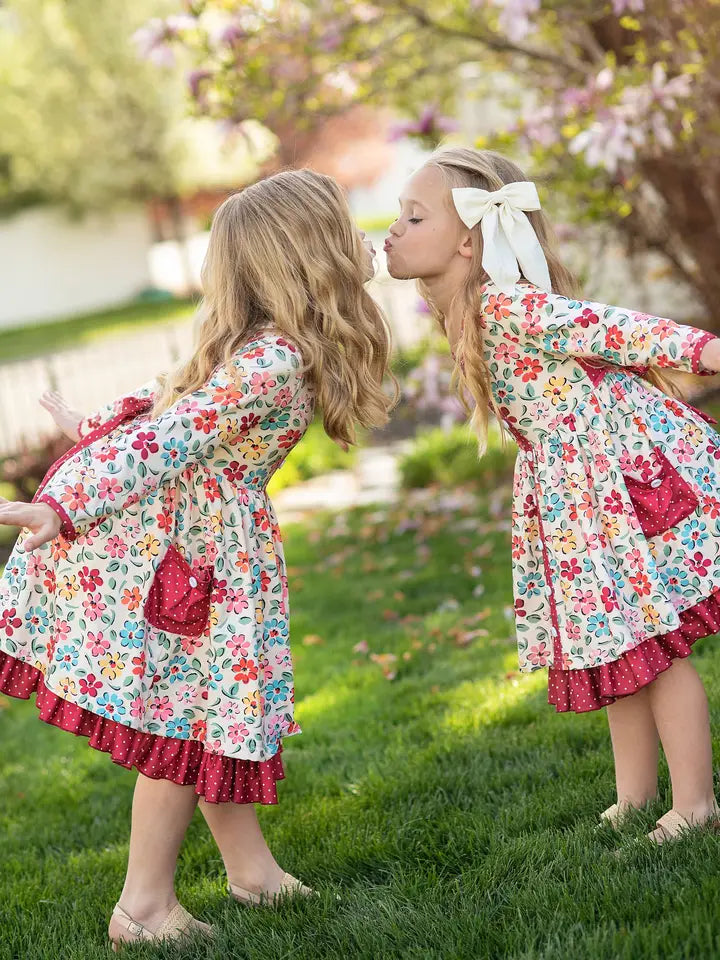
[[145, 602], [615, 525]]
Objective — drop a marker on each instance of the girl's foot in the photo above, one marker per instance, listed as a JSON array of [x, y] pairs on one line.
[[673, 824], [176, 924], [619, 813], [68, 420], [255, 896]]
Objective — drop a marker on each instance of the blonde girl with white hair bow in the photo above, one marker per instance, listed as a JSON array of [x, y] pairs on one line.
[[616, 514]]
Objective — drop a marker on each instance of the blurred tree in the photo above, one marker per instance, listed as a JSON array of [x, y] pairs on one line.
[[615, 100], [82, 123]]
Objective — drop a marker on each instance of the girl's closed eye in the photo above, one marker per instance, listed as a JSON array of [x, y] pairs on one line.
[[414, 219]]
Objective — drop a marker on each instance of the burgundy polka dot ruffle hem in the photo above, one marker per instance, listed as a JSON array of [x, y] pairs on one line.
[[580, 691], [217, 778]]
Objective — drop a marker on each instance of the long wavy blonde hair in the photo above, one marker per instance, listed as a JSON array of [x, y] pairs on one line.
[[467, 167], [284, 255]]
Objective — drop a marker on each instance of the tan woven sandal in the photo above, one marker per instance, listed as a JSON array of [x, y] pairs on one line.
[[289, 887], [672, 825], [616, 815], [177, 924]]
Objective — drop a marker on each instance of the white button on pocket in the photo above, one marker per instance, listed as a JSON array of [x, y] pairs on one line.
[[656, 483], [192, 581]]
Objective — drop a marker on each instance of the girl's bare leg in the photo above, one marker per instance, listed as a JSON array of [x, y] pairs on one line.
[[247, 857], [680, 709], [635, 747], [161, 814]]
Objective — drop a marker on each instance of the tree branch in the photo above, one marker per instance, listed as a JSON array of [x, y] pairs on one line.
[[493, 41]]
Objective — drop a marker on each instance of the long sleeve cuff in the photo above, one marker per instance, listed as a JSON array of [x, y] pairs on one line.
[[66, 528]]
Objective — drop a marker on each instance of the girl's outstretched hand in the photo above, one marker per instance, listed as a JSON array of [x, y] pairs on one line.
[[710, 355], [39, 518], [67, 419]]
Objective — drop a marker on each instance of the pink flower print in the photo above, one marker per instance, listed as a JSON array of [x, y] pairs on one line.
[[161, 708], [685, 452], [236, 601], [108, 487], [283, 397], [230, 708], [238, 732], [584, 601], [506, 352], [97, 644], [94, 606], [238, 645], [190, 644], [137, 707], [262, 383], [539, 655], [35, 567], [116, 547]]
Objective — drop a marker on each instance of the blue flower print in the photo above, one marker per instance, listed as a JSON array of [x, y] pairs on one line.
[[36, 621], [132, 635], [110, 705], [178, 727], [175, 452]]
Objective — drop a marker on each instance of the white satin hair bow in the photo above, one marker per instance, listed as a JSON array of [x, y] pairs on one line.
[[508, 236]]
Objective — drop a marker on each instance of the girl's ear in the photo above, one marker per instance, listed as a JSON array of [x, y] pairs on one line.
[[466, 249]]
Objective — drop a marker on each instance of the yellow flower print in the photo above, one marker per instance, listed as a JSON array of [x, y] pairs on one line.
[[556, 390], [228, 429], [112, 666], [216, 522], [68, 686], [564, 540], [214, 614], [640, 340], [651, 613], [612, 527], [253, 449], [252, 706], [67, 586], [148, 546], [260, 611]]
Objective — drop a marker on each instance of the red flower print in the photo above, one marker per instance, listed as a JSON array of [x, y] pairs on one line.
[[289, 439], [234, 471], [698, 564], [245, 670], [249, 422], [498, 306], [206, 421], [145, 443], [520, 610], [569, 569], [641, 583], [75, 496], [228, 396], [90, 579], [608, 600], [199, 730], [534, 301], [139, 663], [107, 453], [9, 621], [528, 368], [587, 317], [261, 520], [614, 338], [220, 591], [90, 686], [613, 503]]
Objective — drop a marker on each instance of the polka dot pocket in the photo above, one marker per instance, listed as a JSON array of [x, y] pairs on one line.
[[664, 499], [179, 597]]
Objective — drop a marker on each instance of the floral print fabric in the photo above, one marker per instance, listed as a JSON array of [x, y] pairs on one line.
[[588, 585], [195, 477]]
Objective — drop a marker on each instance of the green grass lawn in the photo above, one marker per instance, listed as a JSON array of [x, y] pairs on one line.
[[42, 338], [449, 806]]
